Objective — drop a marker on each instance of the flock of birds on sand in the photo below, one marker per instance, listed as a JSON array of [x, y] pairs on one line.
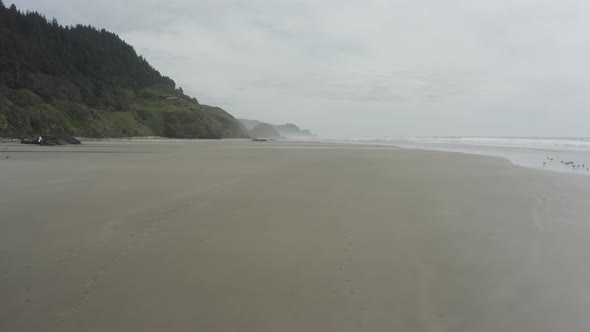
[[571, 164]]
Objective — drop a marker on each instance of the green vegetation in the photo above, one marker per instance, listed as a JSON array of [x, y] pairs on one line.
[[87, 82]]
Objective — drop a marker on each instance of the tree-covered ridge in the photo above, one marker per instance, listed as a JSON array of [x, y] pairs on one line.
[[83, 81]]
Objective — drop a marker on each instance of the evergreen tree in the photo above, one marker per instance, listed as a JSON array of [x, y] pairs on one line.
[[30, 45]]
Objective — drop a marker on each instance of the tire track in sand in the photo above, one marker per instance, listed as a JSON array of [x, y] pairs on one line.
[[151, 227]]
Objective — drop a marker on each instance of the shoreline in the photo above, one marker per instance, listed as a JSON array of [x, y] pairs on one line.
[[506, 159], [527, 157], [372, 144]]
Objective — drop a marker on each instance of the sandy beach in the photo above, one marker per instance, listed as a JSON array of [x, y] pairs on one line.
[[233, 235]]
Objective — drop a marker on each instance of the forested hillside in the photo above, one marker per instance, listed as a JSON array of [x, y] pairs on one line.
[[83, 81]]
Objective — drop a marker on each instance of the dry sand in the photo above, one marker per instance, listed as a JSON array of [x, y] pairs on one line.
[[165, 235]]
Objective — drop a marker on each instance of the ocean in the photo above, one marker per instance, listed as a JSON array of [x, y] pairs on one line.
[[568, 155]]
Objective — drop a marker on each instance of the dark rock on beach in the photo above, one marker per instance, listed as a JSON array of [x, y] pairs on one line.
[[50, 140]]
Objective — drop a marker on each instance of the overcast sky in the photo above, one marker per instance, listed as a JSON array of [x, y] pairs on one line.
[[367, 68]]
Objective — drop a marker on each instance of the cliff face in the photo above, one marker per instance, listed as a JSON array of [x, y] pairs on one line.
[[291, 130], [87, 82], [264, 130], [288, 130]]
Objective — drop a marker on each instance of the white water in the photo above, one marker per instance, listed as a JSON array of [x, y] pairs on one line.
[[542, 153]]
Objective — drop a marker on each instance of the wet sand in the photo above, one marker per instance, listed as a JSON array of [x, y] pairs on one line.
[[165, 235]]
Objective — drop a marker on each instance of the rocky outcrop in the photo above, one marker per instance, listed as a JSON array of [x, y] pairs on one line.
[[50, 140], [287, 130], [292, 131], [264, 130]]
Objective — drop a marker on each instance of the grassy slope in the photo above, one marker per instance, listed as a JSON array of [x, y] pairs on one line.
[[154, 112]]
